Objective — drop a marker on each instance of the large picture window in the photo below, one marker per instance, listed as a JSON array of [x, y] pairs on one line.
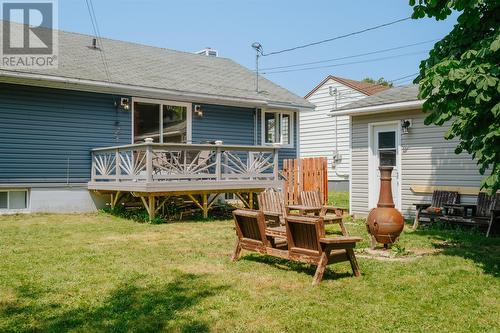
[[164, 122], [278, 128]]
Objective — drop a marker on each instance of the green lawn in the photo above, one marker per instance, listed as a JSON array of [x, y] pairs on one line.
[[339, 199], [96, 272]]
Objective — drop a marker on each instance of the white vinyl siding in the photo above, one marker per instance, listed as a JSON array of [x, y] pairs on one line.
[[317, 129], [426, 159]]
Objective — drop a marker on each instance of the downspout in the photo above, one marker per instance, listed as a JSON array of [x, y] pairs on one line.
[[334, 160]]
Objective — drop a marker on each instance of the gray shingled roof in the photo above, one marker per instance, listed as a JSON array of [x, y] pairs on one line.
[[394, 95], [154, 67]]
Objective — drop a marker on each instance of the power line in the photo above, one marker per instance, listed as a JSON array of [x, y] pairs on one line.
[[335, 38], [404, 77], [351, 56], [97, 33], [348, 63]]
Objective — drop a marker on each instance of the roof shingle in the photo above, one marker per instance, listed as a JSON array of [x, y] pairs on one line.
[[393, 95], [363, 87], [154, 67]]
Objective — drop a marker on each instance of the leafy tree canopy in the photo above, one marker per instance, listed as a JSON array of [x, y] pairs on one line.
[[460, 80], [380, 81]]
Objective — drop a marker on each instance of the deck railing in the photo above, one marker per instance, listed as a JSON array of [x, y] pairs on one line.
[[155, 163]]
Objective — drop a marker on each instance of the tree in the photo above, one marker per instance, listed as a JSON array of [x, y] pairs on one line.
[[460, 80], [380, 81]]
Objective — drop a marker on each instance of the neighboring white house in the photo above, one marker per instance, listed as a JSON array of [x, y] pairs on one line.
[[388, 128], [323, 135]]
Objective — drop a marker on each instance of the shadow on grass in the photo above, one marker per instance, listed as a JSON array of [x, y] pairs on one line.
[[129, 307], [289, 265], [465, 242]]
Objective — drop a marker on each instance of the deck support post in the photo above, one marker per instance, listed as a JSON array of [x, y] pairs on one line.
[[245, 202], [115, 198], [250, 200], [205, 205], [152, 209], [150, 205]]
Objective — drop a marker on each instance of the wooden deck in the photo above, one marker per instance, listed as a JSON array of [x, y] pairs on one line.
[[154, 171]]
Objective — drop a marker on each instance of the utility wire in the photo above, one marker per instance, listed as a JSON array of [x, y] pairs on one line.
[[350, 56], [347, 63], [97, 33], [335, 38]]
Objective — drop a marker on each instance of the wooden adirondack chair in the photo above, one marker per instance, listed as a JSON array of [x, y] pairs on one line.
[[251, 232], [493, 223], [312, 199], [272, 204], [306, 241], [434, 209], [485, 205]]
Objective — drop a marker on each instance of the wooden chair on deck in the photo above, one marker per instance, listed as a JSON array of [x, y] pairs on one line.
[[312, 200], [434, 209], [305, 237], [272, 204]]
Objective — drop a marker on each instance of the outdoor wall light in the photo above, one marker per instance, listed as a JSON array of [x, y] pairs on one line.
[[124, 104], [405, 125], [198, 111]]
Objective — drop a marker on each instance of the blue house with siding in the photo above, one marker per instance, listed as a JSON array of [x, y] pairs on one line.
[[53, 120]]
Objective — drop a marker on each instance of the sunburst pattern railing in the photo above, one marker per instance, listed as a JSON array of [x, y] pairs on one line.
[[150, 162]]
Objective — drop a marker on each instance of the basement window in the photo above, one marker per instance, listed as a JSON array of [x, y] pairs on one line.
[[13, 199]]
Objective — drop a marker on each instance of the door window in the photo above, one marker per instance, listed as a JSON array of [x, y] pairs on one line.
[[387, 148]]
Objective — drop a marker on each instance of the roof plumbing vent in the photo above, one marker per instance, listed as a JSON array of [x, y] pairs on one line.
[[94, 44], [209, 52]]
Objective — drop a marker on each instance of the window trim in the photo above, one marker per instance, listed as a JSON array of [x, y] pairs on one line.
[[162, 102], [8, 190], [291, 128]]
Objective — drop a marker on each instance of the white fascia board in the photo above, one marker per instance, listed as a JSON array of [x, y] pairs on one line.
[[379, 108], [131, 90]]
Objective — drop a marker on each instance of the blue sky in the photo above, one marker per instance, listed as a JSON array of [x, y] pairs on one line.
[[232, 26]]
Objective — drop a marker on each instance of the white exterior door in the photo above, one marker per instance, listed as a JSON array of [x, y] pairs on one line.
[[384, 151]]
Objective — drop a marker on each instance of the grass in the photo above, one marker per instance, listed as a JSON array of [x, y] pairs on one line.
[[95, 272], [339, 199]]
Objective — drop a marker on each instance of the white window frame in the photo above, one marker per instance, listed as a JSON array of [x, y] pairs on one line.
[[372, 176], [291, 129], [14, 210], [162, 102]]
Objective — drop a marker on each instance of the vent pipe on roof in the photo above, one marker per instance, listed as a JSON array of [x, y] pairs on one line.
[[209, 52], [94, 46]]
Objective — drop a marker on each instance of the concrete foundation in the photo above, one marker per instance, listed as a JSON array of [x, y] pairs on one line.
[[65, 200], [338, 185]]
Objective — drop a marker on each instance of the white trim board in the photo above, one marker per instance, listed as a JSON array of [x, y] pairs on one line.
[[381, 108], [371, 164]]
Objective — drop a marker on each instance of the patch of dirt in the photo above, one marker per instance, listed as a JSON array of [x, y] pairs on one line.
[[7, 299], [389, 255]]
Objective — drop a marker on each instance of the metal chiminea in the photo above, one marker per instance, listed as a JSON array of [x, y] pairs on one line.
[[385, 222]]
